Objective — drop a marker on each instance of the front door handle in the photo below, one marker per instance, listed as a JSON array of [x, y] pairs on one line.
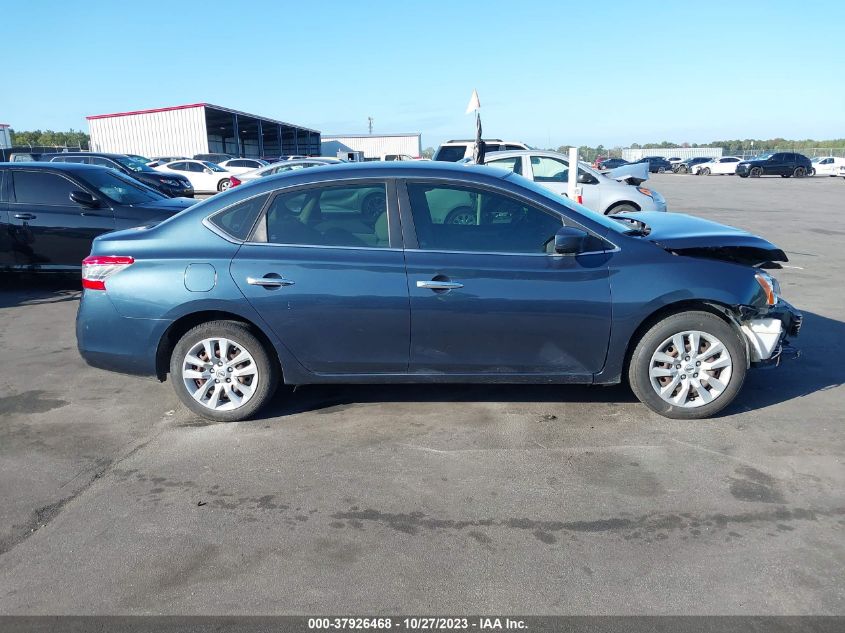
[[269, 282], [24, 216], [439, 285]]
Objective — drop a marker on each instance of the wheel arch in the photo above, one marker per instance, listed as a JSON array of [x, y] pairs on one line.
[[619, 203], [721, 310], [184, 323]]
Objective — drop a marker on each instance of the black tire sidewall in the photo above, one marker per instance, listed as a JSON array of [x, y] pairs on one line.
[[268, 371], [638, 370]]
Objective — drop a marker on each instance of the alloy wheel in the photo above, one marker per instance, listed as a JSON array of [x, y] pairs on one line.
[[220, 374], [690, 369]]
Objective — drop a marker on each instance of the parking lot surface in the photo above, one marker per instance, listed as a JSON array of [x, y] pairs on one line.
[[435, 499]]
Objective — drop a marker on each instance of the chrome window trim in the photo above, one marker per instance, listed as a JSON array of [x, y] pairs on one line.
[[615, 249], [349, 248]]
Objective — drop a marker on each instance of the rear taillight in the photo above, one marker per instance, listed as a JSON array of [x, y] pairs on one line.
[[233, 182], [97, 268]]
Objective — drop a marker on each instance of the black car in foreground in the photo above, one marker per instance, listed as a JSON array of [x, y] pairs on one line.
[[172, 185], [656, 164], [51, 212], [783, 164]]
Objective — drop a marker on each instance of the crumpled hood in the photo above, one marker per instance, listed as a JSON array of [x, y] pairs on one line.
[[697, 237], [632, 173]]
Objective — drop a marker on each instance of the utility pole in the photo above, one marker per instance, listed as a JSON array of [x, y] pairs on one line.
[[370, 123]]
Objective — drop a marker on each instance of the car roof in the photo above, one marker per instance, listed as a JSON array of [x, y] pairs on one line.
[[101, 154], [53, 166]]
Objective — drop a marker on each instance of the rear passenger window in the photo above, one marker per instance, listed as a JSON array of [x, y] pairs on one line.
[[347, 215], [237, 220], [41, 188]]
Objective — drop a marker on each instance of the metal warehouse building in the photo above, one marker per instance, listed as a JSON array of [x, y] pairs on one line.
[[199, 128], [374, 146]]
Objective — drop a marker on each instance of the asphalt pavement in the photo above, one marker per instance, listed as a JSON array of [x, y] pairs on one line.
[[435, 499]]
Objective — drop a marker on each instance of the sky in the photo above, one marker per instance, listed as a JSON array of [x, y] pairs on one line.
[[548, 73]]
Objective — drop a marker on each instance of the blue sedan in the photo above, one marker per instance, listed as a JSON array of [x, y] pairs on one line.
[[430, 272]]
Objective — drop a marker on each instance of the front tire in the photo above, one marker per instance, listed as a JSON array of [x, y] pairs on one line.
[[799, 172], [756, 172], [221, 371], [705, 171], [688, 366]]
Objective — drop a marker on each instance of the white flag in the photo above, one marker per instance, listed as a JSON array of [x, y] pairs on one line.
[[474, 103]]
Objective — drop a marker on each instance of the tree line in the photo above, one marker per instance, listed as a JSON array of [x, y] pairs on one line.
[[49, 138]]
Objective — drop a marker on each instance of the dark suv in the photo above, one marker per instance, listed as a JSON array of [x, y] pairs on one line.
[[172, 185], [783, 164], [51, 212]]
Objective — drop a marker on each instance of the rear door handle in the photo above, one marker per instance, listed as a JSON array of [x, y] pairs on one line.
[[269, 282], [439, 285], [25, 216]]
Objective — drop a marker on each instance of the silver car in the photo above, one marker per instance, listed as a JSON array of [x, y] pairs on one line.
[[618, 191], [283, 166]]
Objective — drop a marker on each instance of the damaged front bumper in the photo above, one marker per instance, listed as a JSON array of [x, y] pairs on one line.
[[768, 333]]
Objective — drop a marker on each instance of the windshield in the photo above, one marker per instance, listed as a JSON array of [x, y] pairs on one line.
[[132, 164], [763, 156], [550, 195], [212, 166], [119, 189]]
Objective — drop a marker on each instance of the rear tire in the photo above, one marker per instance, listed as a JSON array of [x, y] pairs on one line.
[[224, 184], [653, 367], [252, 380]]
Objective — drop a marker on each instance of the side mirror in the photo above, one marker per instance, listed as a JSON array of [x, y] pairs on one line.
[[208, 171], [570, 241], [586, 179], [85, 199]]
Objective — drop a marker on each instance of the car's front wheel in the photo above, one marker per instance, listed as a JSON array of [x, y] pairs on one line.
[[756, 172], [705, 171], [221, 371], [799, 172], [622, 207], [690, 365]]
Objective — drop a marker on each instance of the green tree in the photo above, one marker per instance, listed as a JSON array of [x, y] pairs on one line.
[[428, 152]]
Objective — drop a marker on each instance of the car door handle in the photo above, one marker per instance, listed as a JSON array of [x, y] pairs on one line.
[[269, 282], [439, 285], [25, 216]]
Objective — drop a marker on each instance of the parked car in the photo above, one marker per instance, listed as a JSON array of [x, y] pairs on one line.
[[600, 192], [243, 165], [155, 161], [827, 166], [139, 158], [674, 159], [51, 212], [656, 164], [173, 186], [454, 150], [206, 177], [612, 163], [216, 158], [686, 166], [726, 165], [783, 164], [280, 168], [536, 289]]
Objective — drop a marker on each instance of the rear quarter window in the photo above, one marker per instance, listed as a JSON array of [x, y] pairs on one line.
[[451, 153], [237, 221]]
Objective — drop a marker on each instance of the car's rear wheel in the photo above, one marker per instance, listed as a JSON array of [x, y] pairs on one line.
[[705, 171], [756, 172], [690, 365], [224, 184], [222, 371], [799, 172]]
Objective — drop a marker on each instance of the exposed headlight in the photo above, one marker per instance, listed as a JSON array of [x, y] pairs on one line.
[[171, 181], [770, 286], [645, 192]]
